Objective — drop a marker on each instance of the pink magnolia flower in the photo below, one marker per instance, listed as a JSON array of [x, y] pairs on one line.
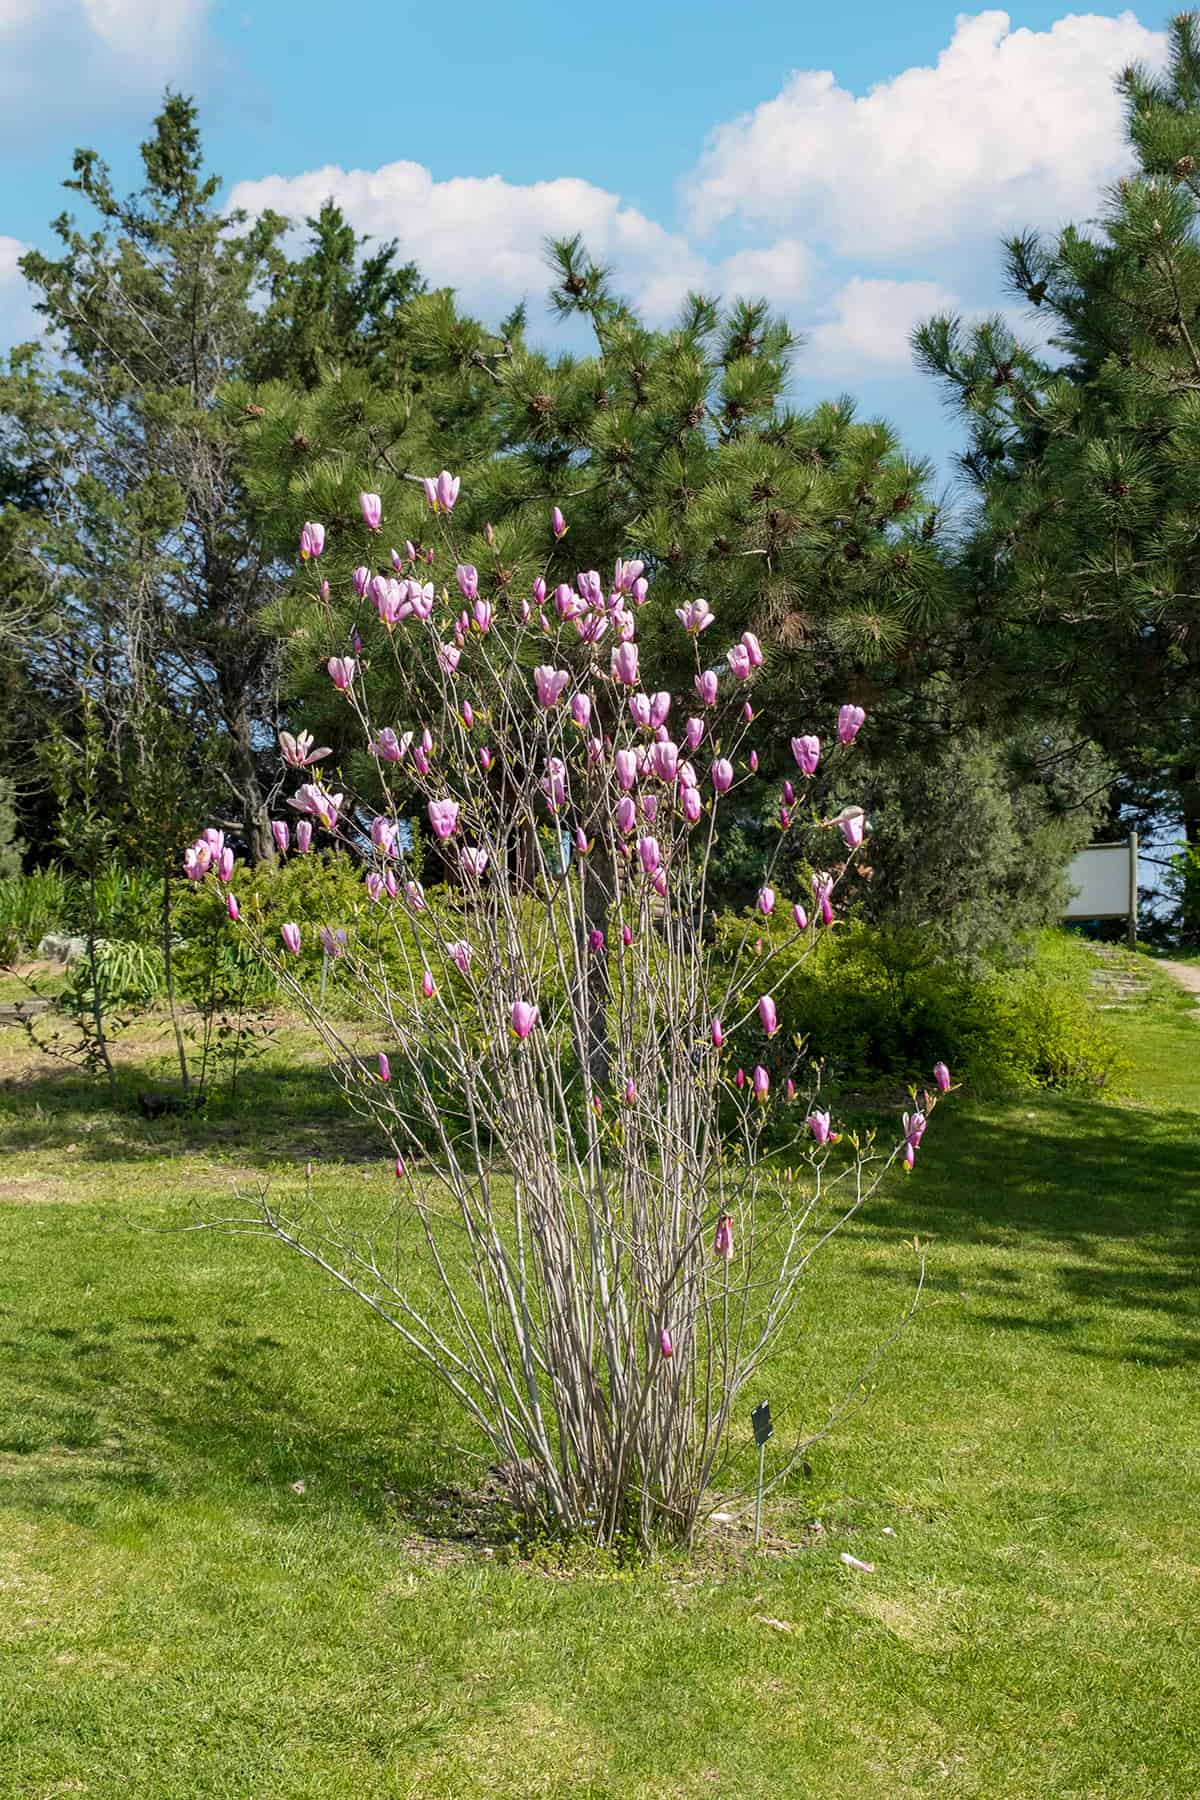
[[706, 687], [362, 580], [941, 1075], [850, 723], [549, 683], [650, 807], [298, 751], [374, 885], [581, 710], [626, 574], [739, 662], [754, 762], [443, 816], [591, 588], [818, 1124], [460, 954], [722, 775], [761, 1082], [624, 624], [664, 1342], [695, 617], [649, 854], [281, 833], [807, 752], [691, 803], [485, 759], [665, 760], [822, 888], [313, 799], [333, 943], [304, 837], [660, 706], [914, 1128], [624, 664], [789, 793], [800, 917], [583, 844], [414, 893], [449, 656], [231, 907], [753, 649], [385, 1068], [467, 577], [371, 507], [723, 1241], [768, 1018], [341, 671], [625, 763], [224, 866], [428, 987], [390, 885], [626, 935], [852, 821], [312, 540], [558, 524], [766, 901], [595, 941], [290, 934], [554, 783], [388, 747], [718, 1034], [625, 814], [567, 603], [474, 862], [630, 1094], [639, 710], [383, 834], [481, 616], [446, 490], [524, 1017]]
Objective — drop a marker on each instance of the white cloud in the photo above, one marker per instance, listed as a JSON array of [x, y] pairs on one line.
[[485, 236], [18, 321], [70, 60], [869, 322], [1010, 128]]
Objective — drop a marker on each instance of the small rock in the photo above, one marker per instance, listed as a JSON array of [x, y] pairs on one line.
[[852, 1562], [721, 1518]]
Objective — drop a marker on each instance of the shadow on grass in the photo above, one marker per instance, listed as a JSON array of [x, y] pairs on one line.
[[1106, 1201], [281, 1110]]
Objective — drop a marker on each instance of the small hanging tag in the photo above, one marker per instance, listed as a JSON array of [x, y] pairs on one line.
[[760, 1418]]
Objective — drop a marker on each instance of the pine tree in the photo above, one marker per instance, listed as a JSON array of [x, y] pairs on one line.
[[1082, 577]]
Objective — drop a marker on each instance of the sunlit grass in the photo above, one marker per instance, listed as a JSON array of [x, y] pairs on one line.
[[233, 1561]]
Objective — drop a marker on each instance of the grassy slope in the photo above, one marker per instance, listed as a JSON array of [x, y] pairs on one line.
[[176, 1621]]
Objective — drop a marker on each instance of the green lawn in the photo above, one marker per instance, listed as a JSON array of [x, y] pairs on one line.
[[177, 1620]]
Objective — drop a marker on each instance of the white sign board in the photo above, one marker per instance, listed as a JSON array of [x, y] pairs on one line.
[[1103, 883]]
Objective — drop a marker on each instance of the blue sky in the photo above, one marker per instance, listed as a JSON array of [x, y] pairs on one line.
[[858, 164]]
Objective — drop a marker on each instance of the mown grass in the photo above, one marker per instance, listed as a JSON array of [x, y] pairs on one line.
[[178, 1618]]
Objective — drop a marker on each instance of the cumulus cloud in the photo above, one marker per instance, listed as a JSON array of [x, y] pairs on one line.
[[868, 322], [1009, 128], [485, 236], [71, 60], [18, 321]]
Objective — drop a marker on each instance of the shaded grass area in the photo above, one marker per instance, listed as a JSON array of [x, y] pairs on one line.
[[177, 1619]]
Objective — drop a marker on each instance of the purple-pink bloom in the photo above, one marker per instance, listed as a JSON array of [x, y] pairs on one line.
[[443, 816], [695, 617], [753, 649], [624, 664], [738, 659], [800, 917], [649, 854], [312, 540], [914, 1128], [818, 1124], [722, 775], [664, 1342], [766, 901], [807, 752], [304, 837], [626, 574], [225, 866], [665, 760], [581, 710], [312, 798], [374, 885], [460, 954], [385, 1068], [761, 1082], [371, 507], [550, 684], [691, 803], [941, 1075], [850, 723], [298, 751], [852, 821], [291, 937], [428, 987], [281, 833], [626, 764], [706, 687], [558, 524], [717, 1034], [467, 577], [524, 1017], [231, 906], [723, 1241], [595, 941], [362, 580], [625, 814], [446, 490], [414, 893], [481, 616], [768, 1018], [341, 671]]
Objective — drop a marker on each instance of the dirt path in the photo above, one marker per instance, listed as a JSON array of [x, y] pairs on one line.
[[1186, 974]]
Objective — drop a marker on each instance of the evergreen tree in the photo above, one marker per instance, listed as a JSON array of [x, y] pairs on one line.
[[1081, 582]]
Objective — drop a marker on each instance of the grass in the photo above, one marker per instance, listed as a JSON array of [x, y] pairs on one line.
[[221, 1567]]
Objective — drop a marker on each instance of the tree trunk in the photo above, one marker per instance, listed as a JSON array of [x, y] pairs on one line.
[[243, 773], [1189, 794]]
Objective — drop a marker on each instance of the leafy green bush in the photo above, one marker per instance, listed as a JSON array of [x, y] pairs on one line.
[[883, 1006], [32, 905]]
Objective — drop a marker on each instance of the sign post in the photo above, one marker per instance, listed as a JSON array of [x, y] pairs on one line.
[[760, 1418]]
